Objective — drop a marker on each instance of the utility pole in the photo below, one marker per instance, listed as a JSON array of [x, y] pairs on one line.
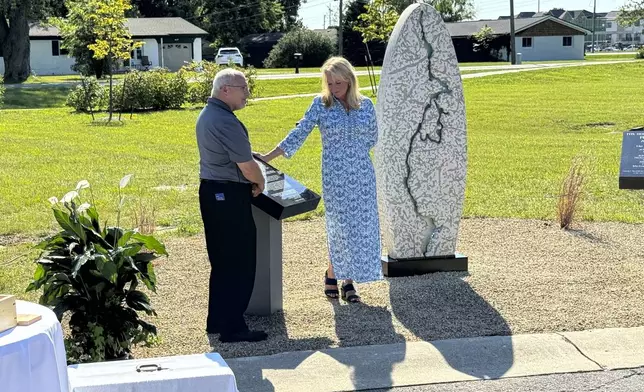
[[324, 23], [513, 52], [538, 5], [594, 13], [340, 29]]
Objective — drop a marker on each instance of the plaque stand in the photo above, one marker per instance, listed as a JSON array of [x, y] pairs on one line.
[[395, 268], [283, 197], [267, 293]]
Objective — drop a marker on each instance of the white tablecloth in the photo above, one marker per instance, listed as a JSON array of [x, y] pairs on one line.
[[32, 358], [184, 373]]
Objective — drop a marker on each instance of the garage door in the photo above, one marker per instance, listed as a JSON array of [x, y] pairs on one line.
[[175, 56]]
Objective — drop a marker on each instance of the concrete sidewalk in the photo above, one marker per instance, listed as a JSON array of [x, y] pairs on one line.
[[443, 361]]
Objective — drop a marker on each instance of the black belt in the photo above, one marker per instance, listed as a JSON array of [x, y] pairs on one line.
[[225, 182]]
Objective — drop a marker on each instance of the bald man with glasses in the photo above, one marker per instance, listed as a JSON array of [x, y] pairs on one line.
[[229, 179]]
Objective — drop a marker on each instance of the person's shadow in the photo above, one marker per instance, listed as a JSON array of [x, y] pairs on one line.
[[441, 306], [248, 373], [359, 324]]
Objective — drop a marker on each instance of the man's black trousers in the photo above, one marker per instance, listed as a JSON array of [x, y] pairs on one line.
[[231, 242]]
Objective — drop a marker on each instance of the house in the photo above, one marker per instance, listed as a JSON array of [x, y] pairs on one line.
[[167, 42], [625, 35], [537, 39]]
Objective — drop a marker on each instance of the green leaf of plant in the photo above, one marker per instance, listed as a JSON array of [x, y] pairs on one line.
[[39, 273], [137, 300], [151, 243], [110, 272], [79, 261], [93, 215], [125, 238], [132, 249], [147, 327]]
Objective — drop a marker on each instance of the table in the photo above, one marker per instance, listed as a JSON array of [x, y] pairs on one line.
[[198, 372], [32, 358]]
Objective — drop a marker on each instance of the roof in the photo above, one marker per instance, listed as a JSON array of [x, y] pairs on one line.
[[502, 27], [612, 15], [139, 27]]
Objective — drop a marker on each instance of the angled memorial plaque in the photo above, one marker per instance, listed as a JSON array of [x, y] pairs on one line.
[[631, 168], [284, 196]]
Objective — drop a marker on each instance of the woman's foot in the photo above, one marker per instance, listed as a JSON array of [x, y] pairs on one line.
[[330, 286], [349, 292]]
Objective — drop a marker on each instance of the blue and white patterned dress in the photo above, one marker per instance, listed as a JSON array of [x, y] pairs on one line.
[[348, 184]]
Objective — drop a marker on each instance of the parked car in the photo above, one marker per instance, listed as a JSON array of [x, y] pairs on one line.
[[228, 55]]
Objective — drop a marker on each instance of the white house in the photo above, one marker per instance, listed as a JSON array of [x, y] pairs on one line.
[[168, 42], [537, 39]]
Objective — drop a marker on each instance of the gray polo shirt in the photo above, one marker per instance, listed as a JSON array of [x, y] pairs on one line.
[[223, 141]]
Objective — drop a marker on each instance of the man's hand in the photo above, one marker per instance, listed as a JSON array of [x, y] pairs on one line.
[[257, 189]]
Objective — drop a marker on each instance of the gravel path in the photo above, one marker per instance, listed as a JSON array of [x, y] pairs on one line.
[[525, 276]]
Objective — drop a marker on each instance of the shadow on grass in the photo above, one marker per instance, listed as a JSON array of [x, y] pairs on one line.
[[35, 98]]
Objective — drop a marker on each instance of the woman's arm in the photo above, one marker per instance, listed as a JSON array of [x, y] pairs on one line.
[[295, 139]]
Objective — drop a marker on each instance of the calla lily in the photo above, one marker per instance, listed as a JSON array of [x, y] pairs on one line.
[[70, 196], [124, 181], [84, 184]]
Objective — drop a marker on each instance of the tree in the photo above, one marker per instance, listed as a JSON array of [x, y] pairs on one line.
[[104, 21], [378, 22], [229, 20], [315, 49], [77, 31], [631, 13], [14, 34], [483, 38], [355, 49], [450, 10]]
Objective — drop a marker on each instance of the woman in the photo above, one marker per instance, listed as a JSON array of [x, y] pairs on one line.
[[347, 123]]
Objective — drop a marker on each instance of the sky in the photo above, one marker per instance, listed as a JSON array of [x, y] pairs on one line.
[[313, 12]]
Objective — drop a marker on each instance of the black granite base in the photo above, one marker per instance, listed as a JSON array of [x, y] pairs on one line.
[[423, 265]]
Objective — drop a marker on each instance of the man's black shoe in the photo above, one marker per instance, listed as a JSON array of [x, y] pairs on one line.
[[244, 336]]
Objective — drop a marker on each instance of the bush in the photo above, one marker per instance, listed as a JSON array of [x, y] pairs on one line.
[[640, 53], [157, 89], [315, 48], [202, 74], [88, 96], [93, 273]]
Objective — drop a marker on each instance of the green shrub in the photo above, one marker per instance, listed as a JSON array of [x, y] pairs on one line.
[[91, 272], [640, 53], [89, 95], [315, 49], [201, 74], [157, 89]]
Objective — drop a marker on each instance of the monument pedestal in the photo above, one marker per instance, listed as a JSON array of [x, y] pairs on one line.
[[395, 268], [283, 197], [267, 293]]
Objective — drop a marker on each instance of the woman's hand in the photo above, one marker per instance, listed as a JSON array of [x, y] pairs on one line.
[[277, 152]]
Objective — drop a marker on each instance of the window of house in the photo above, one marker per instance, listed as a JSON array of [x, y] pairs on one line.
[[56, 50], [609, 25], [527, 42], [567, 41]]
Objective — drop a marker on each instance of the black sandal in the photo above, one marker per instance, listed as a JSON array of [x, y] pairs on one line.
[[330, 293], [349, 293]]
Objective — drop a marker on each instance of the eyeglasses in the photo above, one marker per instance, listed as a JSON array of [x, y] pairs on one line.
[[232, 85]]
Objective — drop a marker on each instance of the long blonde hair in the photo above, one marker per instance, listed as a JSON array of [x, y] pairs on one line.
[[341, 69]]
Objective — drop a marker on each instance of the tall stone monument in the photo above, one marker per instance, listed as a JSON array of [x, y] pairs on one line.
[[421, 156]]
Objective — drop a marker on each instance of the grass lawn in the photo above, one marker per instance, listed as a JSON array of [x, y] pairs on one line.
[[523, 131]]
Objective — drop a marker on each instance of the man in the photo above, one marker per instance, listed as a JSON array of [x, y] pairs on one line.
[[229, 178]]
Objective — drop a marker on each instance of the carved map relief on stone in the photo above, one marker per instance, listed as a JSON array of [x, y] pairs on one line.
[[421, 155]]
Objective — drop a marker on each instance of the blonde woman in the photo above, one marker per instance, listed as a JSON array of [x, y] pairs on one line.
[[347, 123]]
